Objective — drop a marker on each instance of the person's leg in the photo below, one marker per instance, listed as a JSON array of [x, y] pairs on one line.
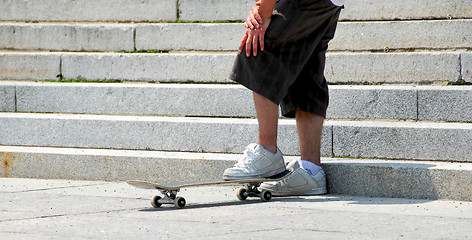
[[309, 127], [267, 117], [263, 159], [307, 177]]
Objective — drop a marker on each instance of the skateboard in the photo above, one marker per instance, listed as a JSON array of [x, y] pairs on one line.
[[170, 190]]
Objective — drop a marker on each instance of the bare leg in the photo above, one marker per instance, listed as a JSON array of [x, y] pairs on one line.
[[267, 116], [309, 131]]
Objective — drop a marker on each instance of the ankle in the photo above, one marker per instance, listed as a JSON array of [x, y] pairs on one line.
[[271, 148], [310, 167]]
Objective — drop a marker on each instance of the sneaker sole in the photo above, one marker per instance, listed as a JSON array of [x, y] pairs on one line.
[[265, 175], [318, 191]]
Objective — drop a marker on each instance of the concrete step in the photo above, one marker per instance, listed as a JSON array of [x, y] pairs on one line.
[[89, 10], [30, 66], [405, 9], [406, 35], [360, 139], [346, 102], [213, 100], [67, 36], [341, 67], [210, 10], [422, 103], [349, 36], [352, 36], [224, 135], [382, 178]]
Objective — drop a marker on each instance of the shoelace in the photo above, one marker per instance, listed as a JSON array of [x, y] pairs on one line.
[[246, 159]]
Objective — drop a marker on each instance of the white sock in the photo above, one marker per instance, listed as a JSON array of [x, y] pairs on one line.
[[310, 167]]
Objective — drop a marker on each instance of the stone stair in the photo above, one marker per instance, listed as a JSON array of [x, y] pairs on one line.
[[116, 90]]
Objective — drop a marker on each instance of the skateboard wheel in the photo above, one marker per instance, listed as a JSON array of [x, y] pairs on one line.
[[242, 194], [266, 195], [179, 202], [155, 201]]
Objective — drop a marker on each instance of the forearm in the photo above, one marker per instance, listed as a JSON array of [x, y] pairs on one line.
[[266, 8]]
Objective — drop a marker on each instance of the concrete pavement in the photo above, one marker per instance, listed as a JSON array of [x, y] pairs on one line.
[[67, 209]]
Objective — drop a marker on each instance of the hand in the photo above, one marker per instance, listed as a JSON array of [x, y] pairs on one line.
[[253, 38], [254, 19]]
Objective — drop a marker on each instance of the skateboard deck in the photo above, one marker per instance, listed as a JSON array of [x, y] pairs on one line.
[[170, 190]]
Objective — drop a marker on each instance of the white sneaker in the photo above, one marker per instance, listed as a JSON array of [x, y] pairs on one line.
[[257, 162], [298, 183]]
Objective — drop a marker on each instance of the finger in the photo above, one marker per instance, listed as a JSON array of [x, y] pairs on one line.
[[255, 17], [261, 41], [249, 23], [248, 45], [258, 17], [242, 43], [255, 40], [255, 23]]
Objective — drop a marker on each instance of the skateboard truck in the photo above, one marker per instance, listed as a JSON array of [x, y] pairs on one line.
[[251, 191], [170, 197]]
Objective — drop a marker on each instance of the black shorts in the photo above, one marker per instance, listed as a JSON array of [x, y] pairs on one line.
[[290, 70]]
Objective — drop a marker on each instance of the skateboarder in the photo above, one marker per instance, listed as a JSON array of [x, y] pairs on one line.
[[281, 59]]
